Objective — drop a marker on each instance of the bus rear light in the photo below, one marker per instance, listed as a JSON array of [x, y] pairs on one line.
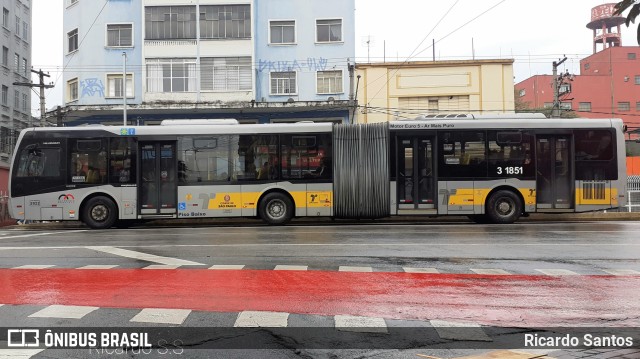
[[20, 213]]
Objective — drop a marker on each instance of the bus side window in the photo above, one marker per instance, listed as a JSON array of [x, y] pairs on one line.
[[122, 160]]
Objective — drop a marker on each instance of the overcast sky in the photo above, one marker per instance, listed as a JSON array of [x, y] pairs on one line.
[[533, 32]]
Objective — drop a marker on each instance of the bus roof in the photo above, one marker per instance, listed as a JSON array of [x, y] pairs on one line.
[[505, 123], [196, 129]]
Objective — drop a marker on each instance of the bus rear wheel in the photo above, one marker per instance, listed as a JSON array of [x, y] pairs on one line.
[[276, 208], [99, 213], [504, 207]]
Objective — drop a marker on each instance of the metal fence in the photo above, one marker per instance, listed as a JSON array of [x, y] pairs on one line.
[[633, 194]]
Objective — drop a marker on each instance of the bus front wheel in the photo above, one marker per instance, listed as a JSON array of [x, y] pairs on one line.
[[504, 207], [99, 213], [276, 208]]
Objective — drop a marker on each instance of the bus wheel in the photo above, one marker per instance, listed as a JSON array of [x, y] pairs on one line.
[[276, 208], [99, 213], [504, 207]]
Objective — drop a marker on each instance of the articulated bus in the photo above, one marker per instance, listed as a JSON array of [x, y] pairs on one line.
[[490, 168]]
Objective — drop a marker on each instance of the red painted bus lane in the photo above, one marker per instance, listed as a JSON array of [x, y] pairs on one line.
[[513, 300]]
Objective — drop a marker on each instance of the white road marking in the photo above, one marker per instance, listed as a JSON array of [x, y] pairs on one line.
[[355, 269], [226, 266], [251, 319], [285, 267], [29, 235], [622, 271], [459, 331], [144, 256], [42, 234], [348, 323], [420, 245], [161, 316], [160, 266], [490, 271], [420, 270], [63, 311], [98, 266], [35, 266], [556, 272], [19, 353]]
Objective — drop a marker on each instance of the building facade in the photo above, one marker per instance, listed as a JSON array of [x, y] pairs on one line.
[[608, 86], [15, 100], [390, 91], [208, 59]]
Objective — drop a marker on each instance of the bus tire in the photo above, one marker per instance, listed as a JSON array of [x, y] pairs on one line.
[[276, 209], [504, 207], [99, 213]]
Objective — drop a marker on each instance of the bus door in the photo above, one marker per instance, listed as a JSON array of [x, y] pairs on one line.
[[554, 174], [416, 185], [158, 182]]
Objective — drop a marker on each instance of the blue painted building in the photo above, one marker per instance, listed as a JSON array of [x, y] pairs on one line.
[[93, 53], [304, 49], [259, 61]]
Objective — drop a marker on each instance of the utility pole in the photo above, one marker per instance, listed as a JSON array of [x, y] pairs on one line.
[[42, 86], [555, 110]]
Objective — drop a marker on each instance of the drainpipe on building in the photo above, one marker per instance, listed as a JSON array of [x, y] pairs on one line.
[[198, 52], [352, 101], [124, 88]]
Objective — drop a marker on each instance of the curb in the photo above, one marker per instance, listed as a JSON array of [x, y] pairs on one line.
[[232, 222]]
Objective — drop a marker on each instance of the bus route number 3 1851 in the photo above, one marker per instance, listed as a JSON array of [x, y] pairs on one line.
[[510, 170]]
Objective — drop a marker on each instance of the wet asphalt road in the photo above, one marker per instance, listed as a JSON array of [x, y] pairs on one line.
[[585, 248], [465, 264]]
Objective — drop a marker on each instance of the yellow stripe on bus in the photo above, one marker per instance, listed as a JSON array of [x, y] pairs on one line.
[[470, 197], [249, 200]]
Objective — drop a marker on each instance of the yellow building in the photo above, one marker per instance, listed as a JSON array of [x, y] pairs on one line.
[[392, 90]]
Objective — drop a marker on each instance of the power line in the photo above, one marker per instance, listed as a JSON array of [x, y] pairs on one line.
[[81, 41], [417, 47]]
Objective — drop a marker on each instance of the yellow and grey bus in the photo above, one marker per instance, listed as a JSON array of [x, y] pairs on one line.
[[490, 168]]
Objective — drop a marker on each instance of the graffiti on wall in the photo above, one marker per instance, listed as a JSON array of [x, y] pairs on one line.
[[311, 64], [91, 87]]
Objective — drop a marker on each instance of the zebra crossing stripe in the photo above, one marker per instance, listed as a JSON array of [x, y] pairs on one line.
[[254, 319], [459, 331], [98, 266], [227, 267], [19, 353], [556, 272], [355, 269], [34, 266], [63, 311], [285, 267], [622, 271], [349, 323], [161, 266], [161, 316], [490, 271], [420, 270]]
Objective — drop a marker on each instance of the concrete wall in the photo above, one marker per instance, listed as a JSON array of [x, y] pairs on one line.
[[395, 90]]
